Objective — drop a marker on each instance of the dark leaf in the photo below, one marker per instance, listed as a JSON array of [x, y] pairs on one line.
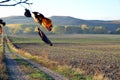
[[27, 13], [44, 37]]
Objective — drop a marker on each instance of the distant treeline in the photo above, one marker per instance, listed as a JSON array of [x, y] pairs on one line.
[[68, 29]]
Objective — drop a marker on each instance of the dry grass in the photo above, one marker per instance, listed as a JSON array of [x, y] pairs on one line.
[[33, 72]]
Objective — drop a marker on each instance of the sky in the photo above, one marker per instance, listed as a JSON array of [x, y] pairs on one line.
[[82, 9]]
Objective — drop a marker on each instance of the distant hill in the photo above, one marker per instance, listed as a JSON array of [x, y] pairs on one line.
[[18, 20], [65, 20]]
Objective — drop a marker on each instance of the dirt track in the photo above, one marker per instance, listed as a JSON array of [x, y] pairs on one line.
[[15, 72], [13, 67]]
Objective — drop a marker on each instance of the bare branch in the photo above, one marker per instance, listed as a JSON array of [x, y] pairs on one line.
[[4, 1], [19, 2]]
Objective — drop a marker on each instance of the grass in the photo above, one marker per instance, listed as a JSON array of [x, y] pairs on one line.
[[27, 68], [33, 72], [3, 70], [83, 38], [92, 55]]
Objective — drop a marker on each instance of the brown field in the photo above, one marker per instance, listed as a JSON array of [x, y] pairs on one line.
[[94, 55]]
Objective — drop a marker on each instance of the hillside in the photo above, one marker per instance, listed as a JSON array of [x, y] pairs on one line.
[[18, 20], [65, 20]]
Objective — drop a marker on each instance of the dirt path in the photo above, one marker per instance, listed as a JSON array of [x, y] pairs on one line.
[[17, 74], [13, 67]]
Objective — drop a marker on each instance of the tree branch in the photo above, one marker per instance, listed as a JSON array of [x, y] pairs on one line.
[[19, 2], [4, 1]]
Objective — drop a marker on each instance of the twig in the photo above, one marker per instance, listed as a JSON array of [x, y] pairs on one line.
[[4, 1], [20, 2]]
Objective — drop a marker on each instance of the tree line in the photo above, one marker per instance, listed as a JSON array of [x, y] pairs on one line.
[[82, 29]]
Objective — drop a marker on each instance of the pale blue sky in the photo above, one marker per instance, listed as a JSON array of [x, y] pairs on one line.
[[83, 9]]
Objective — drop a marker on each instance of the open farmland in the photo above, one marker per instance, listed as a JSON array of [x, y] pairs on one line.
[[94, 55]]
